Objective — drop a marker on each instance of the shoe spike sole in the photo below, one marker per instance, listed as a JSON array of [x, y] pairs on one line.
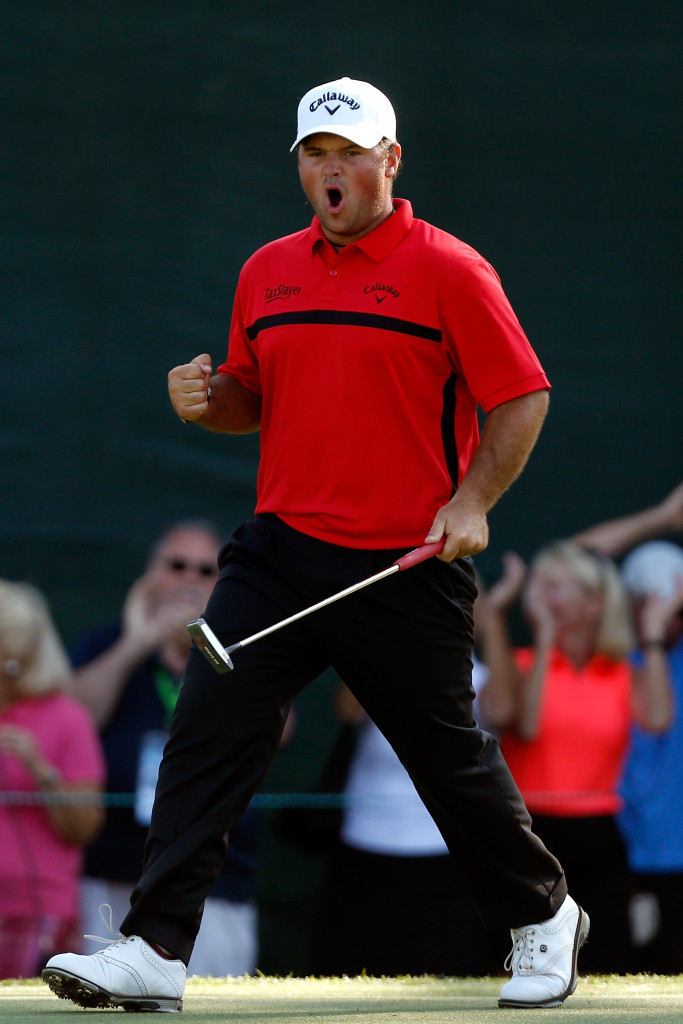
[[83, 993]]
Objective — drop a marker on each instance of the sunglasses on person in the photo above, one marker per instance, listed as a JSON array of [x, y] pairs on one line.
[[182, 565]]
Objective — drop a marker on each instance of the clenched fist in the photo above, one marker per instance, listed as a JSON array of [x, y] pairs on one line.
[[188, 388]]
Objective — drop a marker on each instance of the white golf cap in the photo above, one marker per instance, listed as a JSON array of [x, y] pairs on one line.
[[354, 110], [655, 566]]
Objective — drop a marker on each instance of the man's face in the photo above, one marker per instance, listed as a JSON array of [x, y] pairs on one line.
[[348, 187], [185, 565]]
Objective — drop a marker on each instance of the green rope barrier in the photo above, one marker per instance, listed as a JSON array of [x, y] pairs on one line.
[[263, 801]]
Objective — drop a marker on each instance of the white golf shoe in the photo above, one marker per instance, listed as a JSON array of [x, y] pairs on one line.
[[544, 957], [127, 973]]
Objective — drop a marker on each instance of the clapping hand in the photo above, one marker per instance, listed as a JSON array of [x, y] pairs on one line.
[[507, 589], [658, 613]]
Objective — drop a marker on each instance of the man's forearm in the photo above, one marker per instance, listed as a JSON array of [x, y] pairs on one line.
[[99, 684], [233, 409], [217, 402], [509, 435]]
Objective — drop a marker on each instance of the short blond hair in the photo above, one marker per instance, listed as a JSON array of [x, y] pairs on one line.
[[597, 574], [31, 651]]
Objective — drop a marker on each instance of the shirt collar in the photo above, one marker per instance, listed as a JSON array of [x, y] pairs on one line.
[[379, 242]]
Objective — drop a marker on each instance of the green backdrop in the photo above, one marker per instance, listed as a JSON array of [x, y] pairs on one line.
[[146, 156]]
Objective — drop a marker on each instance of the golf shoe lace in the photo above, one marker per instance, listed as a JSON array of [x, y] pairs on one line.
[[521, 956], [113, 936]]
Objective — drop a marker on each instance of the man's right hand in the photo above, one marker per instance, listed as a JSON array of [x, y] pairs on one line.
[[188, 388]]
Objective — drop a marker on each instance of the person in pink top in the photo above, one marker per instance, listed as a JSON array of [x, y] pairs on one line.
[[49, 750]]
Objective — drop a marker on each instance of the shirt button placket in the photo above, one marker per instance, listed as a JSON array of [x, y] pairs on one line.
[[331, 286]]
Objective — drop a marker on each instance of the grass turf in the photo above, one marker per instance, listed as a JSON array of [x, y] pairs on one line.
[[269, 1000]]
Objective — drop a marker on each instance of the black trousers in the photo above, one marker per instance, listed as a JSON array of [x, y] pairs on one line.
[[403, 647]]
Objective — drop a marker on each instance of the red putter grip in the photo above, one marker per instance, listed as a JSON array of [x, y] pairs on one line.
[[421, 554]]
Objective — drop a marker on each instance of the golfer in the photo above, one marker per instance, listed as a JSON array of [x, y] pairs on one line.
[[361, 348]]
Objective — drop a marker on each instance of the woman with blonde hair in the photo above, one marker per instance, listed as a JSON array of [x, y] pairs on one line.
[[573, 696], [51, 770]]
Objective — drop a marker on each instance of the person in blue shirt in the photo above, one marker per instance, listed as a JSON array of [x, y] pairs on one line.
[[652, 787]]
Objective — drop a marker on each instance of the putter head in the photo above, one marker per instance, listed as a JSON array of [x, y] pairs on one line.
[[208, 643]]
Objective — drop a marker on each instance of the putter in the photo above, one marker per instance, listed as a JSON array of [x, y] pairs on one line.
[[218, 656]]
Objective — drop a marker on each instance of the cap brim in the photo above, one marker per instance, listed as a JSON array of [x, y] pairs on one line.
[[360, 136]]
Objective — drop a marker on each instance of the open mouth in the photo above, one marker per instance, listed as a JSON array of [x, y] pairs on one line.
[[334, 198]]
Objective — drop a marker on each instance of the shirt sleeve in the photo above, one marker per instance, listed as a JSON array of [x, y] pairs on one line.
[[487, 342], [241, 362]]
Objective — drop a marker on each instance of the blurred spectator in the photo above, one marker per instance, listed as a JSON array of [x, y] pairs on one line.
[[392, 902], [48, 749], [129, 675], [652, 787], [567, 738], [497, 697]]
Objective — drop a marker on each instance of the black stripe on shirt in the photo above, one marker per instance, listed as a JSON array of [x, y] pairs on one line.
[[344, 318], [448, 428]]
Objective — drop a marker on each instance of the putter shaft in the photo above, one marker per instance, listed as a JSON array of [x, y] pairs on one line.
[[314, 608], [219, 656]]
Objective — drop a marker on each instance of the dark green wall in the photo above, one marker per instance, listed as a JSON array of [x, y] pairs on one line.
[[146, 156]]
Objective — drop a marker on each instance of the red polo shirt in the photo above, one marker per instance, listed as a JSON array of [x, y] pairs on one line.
[[371, 363]]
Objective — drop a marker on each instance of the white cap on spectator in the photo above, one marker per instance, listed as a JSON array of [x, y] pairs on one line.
[[355, 110], [655, 566]]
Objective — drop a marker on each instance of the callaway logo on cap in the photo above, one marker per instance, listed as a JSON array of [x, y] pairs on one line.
[[354, 110]]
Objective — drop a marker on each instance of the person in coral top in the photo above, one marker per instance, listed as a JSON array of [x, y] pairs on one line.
[[567, 733]]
